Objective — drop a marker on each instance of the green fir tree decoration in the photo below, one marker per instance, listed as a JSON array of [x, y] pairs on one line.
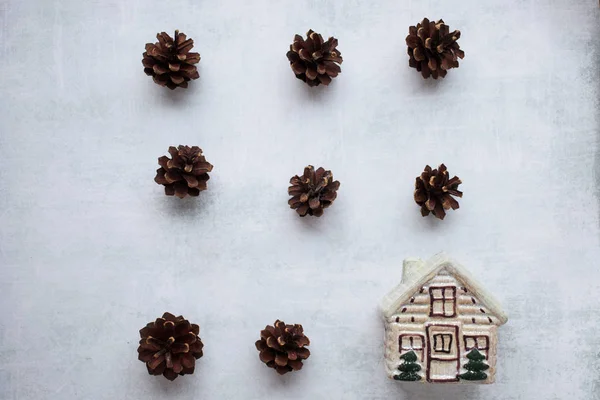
[[409, 368], [475, 367]]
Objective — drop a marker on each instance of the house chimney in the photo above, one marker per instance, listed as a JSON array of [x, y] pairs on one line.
[[411, 269]]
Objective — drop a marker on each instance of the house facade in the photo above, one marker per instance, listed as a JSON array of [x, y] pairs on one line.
[[441, 314]]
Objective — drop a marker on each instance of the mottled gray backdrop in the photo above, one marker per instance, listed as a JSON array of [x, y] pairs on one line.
[[91, 249]]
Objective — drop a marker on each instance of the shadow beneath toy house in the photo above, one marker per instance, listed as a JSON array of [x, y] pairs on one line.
[[420, 391]]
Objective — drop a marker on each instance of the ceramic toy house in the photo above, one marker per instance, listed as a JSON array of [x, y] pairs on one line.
[[440, 325]]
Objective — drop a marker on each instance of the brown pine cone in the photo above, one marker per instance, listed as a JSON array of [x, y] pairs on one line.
[[312, 192], [170, 346], [433, 49], [313, 60], [185, 173], [170, 62], [283, 347], [434, 190]]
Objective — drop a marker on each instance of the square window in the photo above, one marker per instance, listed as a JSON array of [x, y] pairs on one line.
[[469, 342], [480, 343], [412, 342], [443, 301]]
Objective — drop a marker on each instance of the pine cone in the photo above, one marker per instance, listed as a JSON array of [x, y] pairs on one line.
[[170, 346], [185, 173], [283, 347], [312, 192], [433, 49], [434, 191], [313, 60], [170, 63]]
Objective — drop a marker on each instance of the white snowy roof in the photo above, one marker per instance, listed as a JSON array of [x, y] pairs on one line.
[[417, 273]]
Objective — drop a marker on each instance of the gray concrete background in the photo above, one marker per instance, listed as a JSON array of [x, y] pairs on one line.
[[91, 249]]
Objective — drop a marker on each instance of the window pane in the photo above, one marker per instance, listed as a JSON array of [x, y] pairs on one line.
[[482, 342], [469, 342], [438, 343], [437, 293], [417, 343], [449, 293], [447, 343], [405, 343], [448, 308], [438, 307]]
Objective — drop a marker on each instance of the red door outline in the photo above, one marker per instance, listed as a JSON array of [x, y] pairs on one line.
[[430, 357]]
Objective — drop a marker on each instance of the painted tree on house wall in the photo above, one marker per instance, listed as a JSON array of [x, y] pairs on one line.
[[409, 368], [475, 367]]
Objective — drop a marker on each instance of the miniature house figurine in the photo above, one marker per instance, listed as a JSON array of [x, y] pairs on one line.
[[440, 325]]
